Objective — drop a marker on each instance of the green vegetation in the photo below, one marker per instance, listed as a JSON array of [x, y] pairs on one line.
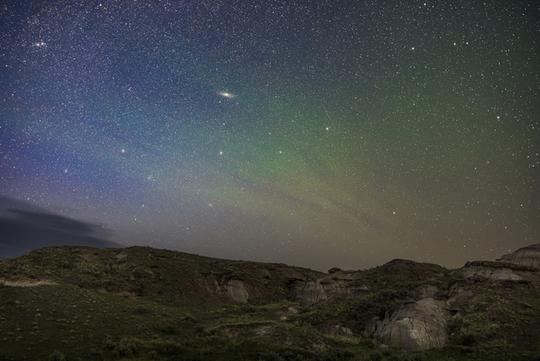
[[142, 304]]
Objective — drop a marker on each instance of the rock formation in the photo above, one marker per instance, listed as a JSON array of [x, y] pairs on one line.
[[336, 284], [237, 291], [490, 270], [526, 256], [420, 325]]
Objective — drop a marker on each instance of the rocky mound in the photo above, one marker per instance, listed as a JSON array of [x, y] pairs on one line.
[[170, 277], [497, 271], [526, 256]]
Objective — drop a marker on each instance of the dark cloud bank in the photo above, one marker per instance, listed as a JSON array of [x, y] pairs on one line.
[[24, 228]]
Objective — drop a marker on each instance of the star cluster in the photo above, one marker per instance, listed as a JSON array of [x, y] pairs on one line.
[[317, 133]]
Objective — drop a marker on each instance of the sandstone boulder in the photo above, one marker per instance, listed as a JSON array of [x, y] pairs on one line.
[[416, 326], [237, 291]]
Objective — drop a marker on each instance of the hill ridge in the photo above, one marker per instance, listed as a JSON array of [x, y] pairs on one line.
[[168, 303]]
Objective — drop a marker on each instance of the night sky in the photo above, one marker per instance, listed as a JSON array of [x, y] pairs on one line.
[[314, 133]]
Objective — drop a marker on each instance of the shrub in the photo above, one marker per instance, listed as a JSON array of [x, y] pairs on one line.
[[336, 355], [372, 356], [377, 305], [466, 339], [270, 356], [140, 310], [126, 347]]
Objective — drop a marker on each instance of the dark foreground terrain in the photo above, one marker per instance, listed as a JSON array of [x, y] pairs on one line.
[[80, 303]]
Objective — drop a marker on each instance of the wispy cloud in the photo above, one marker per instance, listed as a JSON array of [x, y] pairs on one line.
[[26, 227]]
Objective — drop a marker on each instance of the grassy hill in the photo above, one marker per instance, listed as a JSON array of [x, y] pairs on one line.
[[81, 303]]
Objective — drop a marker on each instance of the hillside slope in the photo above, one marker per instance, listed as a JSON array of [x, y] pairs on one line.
[[141, 303]]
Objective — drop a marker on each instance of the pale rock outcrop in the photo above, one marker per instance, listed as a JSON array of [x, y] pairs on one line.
[[526, 256], [339, 330], [336, 284], [419, 325], [121, 256], [287, 312], [311, 292], [26, 282], [237, 291], [490, 270], [294, 275], [459, 297], [426, 291], [334, 287], [212, 285]]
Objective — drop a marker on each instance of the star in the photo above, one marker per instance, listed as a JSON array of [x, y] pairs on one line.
[[332, 124]]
